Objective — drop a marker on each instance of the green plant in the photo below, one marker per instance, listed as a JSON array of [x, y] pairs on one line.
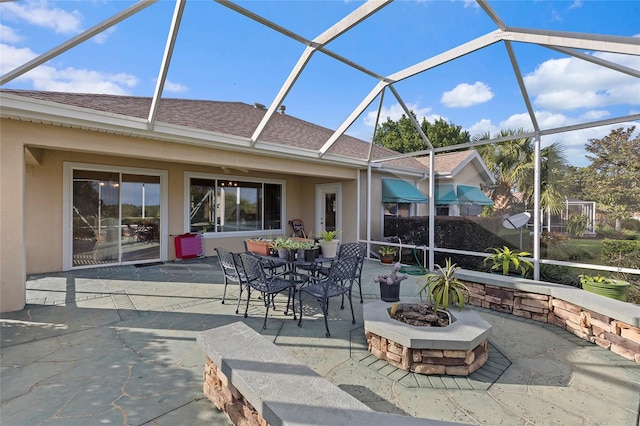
[[328, 235], [279, 242], [506, 260], [577, 224], [387, 250], [443, 288], [584, 278]]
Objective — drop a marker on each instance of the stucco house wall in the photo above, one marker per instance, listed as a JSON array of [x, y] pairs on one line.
[[33, 158]]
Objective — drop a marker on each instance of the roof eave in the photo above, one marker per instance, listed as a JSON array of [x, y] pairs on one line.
[[39, 111]]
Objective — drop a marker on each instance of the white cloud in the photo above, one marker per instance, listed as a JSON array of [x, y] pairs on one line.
[[46, 77], [571, 83], [465, 95], [483, 126], [175, 87], [13, 57], [81, 81], [44, 14], [102, 37], [395, 111], [8, 35], [594, 115]]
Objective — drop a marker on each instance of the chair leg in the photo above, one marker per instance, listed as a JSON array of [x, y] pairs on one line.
[[360, 288], [292, 296], [266, 314], [246, 309], [325, 312], [300, 303], [224, 292], [241, 289], [353, 318]]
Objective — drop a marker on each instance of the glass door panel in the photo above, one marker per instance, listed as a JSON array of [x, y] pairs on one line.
[[140, 224], [95, 217], [116, 218]]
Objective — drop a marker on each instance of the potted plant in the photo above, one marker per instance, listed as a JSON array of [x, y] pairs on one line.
[[259, 246], [509, 262], [387, 254], [390, 284], [328, 243], [280, 245], [604, 286], [442, 288], [311, 250]]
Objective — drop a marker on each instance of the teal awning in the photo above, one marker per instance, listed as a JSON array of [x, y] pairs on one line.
[[400, 191], [472, 194], [445, 194]]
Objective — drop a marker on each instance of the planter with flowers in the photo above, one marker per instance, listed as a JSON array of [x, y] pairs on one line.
[[387, 254], [390, 284], [608, 287]]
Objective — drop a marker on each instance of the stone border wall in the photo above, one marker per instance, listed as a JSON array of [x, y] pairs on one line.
[[428, 361], [618, 336], [219, 390]]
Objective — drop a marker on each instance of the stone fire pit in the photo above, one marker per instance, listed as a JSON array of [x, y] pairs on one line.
[[458, 349]]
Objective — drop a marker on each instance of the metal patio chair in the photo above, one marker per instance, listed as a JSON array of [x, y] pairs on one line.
[[233, 272], [347, 250], [337, 283], [268, 285]]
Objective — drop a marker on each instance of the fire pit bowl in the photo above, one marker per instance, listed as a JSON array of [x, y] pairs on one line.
[[458, 349]]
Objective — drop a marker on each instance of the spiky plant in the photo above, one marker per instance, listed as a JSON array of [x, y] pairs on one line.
[[442, 288]]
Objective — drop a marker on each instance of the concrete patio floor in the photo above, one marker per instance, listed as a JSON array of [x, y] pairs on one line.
[[116, 345]]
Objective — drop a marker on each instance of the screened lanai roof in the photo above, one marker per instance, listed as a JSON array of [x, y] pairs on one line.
[[384, 82]]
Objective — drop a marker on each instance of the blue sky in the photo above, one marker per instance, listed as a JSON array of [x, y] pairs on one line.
[[222, 55]]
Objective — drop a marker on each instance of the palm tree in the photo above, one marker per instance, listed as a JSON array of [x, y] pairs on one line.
[[513, 163]]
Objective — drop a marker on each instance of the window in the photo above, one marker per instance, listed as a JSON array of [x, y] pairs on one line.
[[398, 209], [231, 205]]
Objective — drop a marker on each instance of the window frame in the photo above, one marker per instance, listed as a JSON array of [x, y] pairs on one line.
[[226, 234]]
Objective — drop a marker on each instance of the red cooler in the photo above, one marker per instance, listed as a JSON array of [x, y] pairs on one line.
[[188, 246]]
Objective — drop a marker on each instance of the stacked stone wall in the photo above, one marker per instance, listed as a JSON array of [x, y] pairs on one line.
[[617, 336], [428, 361], [219, 390]]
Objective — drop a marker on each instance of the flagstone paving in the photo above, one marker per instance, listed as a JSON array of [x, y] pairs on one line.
[[116, 345]]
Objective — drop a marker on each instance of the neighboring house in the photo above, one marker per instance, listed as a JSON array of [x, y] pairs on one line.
[[86, 181], [460, 177]]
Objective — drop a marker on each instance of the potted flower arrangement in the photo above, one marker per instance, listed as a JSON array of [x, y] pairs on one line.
[[608, 287], [387, 254], [259, 246], [442, 288], [390, 284], [329, 243], [509, 262]]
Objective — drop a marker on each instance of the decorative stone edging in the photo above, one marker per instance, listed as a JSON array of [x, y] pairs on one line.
[[536, 300], [221, 392], [458, 349], [428, 361]]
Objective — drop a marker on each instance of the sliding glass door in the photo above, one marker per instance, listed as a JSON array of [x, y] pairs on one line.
[[115, 217]]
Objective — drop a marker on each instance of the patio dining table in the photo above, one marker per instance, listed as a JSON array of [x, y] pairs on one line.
[[292, 269]]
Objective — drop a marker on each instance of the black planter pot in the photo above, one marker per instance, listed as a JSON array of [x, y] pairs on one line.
[[390, 293], [311, 254]]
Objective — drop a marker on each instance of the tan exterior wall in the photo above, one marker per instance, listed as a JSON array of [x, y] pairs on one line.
[[469, 175], [32, 242], [12, 247]]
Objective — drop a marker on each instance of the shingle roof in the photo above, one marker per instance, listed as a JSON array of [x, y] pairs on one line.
[[232, 118], [445, 163]]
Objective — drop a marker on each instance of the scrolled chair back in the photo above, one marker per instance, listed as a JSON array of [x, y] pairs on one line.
[[254, 272]]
